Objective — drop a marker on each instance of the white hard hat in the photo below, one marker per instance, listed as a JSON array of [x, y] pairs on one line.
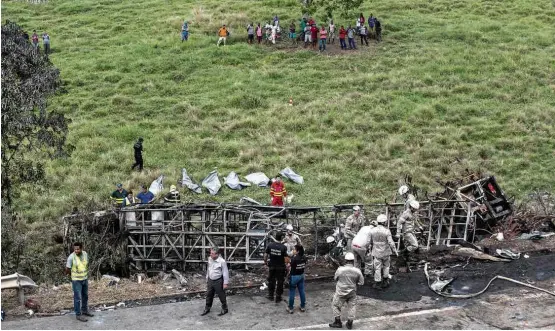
[[403, 189], [289, 227], [414, 204], [381, 218], [355, 208], [330, 239], [349, 257]]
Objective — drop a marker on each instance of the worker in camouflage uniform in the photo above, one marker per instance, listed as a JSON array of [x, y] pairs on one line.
[[352, 225], [381, 246], [347, 278], [406, 225], [407, 197]]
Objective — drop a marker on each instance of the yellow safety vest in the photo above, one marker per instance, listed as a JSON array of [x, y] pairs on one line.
[[79, 268]]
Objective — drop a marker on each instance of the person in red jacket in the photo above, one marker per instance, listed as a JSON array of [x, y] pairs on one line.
[[342, 35], [278, 192], [314, 36]]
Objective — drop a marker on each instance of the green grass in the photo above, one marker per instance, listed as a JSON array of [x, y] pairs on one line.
[[473, 79]]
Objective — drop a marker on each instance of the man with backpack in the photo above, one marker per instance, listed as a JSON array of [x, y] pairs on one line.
[[223, 33]]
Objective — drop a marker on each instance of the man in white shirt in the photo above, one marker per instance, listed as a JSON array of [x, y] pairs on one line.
[[360, 247], [217, 277]]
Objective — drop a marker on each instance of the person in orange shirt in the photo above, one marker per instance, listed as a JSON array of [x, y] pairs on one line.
[[277, 192], [222, 33]]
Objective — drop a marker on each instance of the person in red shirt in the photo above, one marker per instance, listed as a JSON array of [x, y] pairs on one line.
[[314, 35], [361, 19], [278, 192], [323, 37], [342, 35]]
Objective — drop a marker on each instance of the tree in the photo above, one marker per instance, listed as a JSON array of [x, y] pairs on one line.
[[345, 8], [30, 133]]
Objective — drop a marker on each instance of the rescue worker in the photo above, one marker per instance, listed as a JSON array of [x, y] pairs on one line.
[[347, 278], [381, 246], [118, 196], [78, 266], [138, 151], [360, 247], [217, 278], [407, 197], [276, 252], [278, 191], [352, 225], [173, 195], [405, 226], [291, 240]]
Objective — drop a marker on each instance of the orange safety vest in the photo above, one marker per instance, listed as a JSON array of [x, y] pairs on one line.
[[278, 190]]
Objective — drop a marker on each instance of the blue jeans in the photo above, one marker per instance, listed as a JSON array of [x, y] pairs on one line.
[[352, 44], [343, 44], [322, 46], [296, 281], [80, 295]]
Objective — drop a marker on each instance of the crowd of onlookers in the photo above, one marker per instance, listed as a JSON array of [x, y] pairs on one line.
[[308, 32], [311, 34], [35, 41]]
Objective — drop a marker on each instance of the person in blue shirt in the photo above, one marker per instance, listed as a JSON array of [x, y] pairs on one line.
[[145, 196]]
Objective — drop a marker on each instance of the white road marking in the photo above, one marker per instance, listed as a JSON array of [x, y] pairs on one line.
[[384, 317]]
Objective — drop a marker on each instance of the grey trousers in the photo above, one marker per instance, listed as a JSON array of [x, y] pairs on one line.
[[215, 287], [340, 300], [381, 264]]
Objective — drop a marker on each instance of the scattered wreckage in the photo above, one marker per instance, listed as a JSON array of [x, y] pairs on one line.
[[162, 237]]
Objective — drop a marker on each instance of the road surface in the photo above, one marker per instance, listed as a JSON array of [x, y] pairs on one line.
[[407, 304]]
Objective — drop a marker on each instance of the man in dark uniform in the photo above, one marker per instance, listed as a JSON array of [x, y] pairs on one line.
[[276, 252], [138, 147]]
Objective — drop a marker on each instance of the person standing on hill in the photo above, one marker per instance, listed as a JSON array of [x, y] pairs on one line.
[[303, 26], [342, 35], [222, 34], [185, 31], [278, 192], [250, 33], [371, 24], [314, 35], [307, 35], [378, 30], [323, 37], [292, 33], [46, 43], [77, 266], [35, 40], [331, 34], [363, 37], [259, 33], [138, 152], [351, 36]]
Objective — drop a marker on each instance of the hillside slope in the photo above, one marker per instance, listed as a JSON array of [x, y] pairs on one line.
[[473, 80]]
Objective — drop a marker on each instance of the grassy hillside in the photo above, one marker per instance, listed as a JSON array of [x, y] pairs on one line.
[[473, 79]]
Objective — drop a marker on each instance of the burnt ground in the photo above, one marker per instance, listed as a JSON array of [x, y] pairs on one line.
[[472, 278]]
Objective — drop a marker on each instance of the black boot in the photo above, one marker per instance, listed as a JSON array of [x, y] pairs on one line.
[[223, 312], [278, 299], [386, 282], [206, 311], [349, 324], [337, 323], [377, 285]]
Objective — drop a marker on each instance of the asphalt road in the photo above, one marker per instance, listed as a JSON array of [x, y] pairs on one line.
[[408, 304]]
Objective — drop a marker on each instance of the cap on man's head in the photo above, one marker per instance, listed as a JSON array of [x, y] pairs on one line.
[[356, 208], [119, 185]]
